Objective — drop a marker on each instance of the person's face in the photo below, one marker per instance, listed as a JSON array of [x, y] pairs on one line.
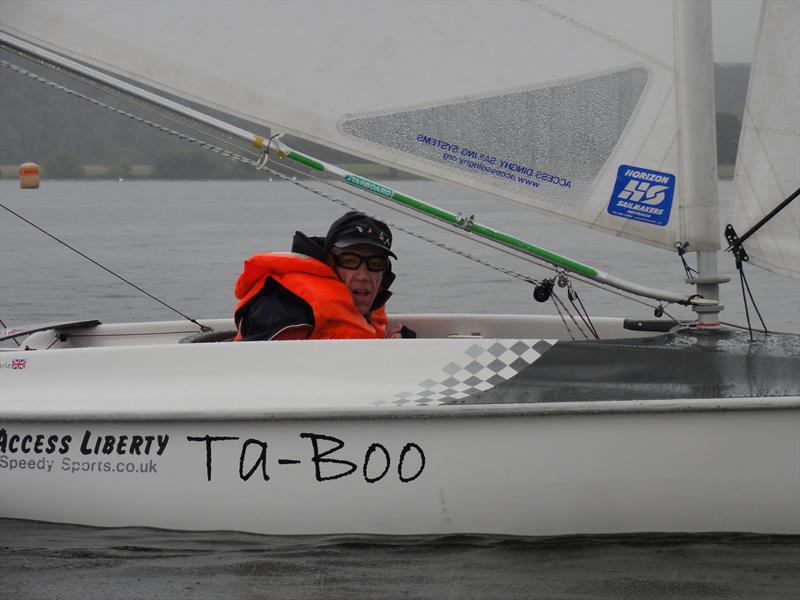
[[363, 284]]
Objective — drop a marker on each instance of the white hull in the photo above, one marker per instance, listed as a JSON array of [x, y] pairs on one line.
[[538, 474], [491, 464], [522, 430]]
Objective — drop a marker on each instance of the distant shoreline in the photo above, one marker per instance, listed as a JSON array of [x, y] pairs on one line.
[[147, 172]]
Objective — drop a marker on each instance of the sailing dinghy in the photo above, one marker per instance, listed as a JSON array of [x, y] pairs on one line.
[[600, 113]]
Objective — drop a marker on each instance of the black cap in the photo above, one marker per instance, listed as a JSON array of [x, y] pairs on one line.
[[357, 228]]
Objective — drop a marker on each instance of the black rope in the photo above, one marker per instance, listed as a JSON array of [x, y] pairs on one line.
[[681, 248], [559, 304], [740, 256], [746, 286], [581, 310], [120, 277], [736, 246]]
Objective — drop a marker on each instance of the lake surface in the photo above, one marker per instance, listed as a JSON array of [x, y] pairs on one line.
[[184, 242], [43, 561]]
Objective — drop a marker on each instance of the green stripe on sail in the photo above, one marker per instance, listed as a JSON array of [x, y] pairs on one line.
[[427, 208], [306, 160], [551, 257], [497, 236], [458, 220]]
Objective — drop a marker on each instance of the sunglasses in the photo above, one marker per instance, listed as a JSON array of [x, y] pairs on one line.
[[348, 260]]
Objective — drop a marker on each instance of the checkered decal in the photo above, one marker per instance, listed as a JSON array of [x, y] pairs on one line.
[[485, 364]]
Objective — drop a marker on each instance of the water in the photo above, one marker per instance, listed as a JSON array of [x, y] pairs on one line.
[[61, 561], [184, 242]]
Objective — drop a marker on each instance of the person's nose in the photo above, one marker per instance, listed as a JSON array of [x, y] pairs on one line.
[[362, 272]]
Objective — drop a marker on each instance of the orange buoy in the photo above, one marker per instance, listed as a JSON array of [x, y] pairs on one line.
[[29, 176]]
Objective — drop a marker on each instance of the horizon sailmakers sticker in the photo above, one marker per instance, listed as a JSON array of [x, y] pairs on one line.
[[642, 195]]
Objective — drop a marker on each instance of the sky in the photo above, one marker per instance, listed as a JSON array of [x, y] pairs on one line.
[[734, 29]]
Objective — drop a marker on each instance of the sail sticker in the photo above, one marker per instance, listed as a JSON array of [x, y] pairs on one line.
[[544, 144], [642, 195], [370, 186], [469, 159]]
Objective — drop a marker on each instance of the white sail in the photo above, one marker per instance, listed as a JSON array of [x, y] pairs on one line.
[[567, 107], [768, 164]]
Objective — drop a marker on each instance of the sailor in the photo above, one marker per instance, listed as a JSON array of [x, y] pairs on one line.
[[334, 287]]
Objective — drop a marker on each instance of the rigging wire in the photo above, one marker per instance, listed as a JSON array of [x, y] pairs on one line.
[[740, 256], [580, 309], [736, 247], [257, 163], [123, 113], [681, 248], [4, 326], [190, 124], [745, 285], [559, 304], [93, 261]]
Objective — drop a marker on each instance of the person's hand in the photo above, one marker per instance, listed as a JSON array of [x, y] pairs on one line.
[[393, 331]]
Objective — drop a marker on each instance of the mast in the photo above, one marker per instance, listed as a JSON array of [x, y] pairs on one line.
[[697, 150]]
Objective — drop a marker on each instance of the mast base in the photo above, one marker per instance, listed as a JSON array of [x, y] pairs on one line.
[[714, 308], [707, 280]]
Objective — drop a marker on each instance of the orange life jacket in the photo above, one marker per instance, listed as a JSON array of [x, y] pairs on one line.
[[335, 313]]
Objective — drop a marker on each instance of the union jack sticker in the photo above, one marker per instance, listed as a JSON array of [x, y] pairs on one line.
[[19, 363]]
